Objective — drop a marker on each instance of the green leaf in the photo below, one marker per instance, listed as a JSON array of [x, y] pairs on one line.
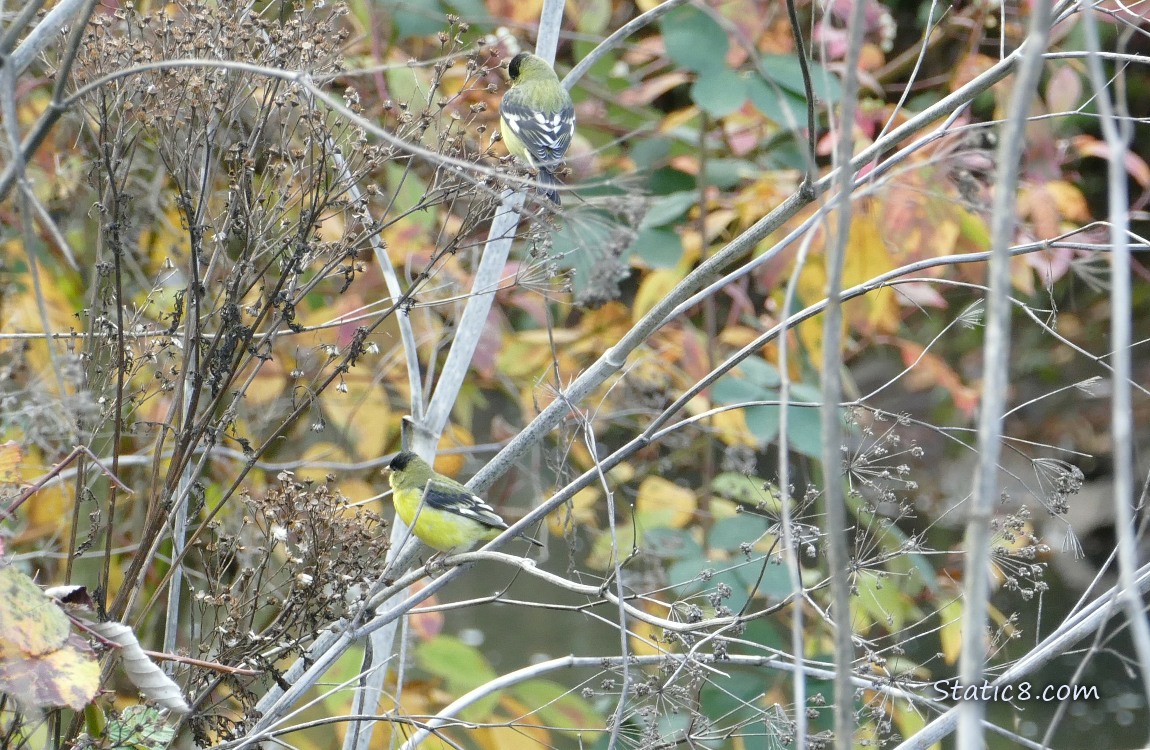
[[139, 727], [698, 574], [731, 533], [580, 246], [753, 379], [786, 71], [758, 370], [410, 191], [774, 584], [474, 11], [674, 727], [727, 173], [668, 208], [660, 248], [763, 422], [694, 40], [742, 489], [736, 696], [452, 659], [669, 180], [31, 624], [594, 16], [883, 600], [649, 152], [411, 19], [777, 104], [669, 543], [764, 633], [736, 390], [804, 431], [719, 91], [559, 707], [462, 667]]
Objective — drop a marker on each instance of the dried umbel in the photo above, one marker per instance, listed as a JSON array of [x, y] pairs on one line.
[[291, 562]]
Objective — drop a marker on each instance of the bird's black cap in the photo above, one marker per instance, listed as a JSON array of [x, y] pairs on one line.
[[514, 65], [401, 460]]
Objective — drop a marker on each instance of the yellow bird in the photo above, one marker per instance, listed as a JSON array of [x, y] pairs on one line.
[[537, 119], [443, 513]]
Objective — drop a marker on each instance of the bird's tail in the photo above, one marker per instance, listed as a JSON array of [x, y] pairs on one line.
[[547, 185]]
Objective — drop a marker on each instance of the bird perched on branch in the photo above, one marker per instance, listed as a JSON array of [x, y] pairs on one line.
[[537, 119], [443, 513]]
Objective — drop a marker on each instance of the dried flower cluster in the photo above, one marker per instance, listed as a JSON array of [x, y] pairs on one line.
[[297, 560]]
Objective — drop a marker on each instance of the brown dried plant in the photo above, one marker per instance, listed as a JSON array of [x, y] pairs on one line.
[[299, 559], [229, 197]]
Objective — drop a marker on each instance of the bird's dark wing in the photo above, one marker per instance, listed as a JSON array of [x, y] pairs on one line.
[[546, 135], [442, 496]]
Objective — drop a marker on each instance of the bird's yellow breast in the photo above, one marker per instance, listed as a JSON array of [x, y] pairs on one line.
[[439, 529]]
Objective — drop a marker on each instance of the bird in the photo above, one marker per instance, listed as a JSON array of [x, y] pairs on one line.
[[444, 514], [537, 119]]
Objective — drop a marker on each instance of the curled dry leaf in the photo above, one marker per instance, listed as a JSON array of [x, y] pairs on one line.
[[142, 671]]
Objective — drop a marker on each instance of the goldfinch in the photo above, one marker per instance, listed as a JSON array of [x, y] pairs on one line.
[[443, 513], [537, 119]]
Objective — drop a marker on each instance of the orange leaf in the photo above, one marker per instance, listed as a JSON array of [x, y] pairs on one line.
[[1136, 166], [929, 370]]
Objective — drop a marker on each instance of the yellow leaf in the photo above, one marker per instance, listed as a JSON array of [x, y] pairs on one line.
[[653, 289], [754, 201], [722, 508], [30, 623], [580, 512], [731, 428], [362, 414], [453, 436], [601, 556], [75, 674], [945, 236], [358, 490], [68, 676], [737, 336], [910, 721], [268, 385], [1022, 275], [607, 324], [950, 634], [622, 472], [972, 231], [645, 636], [332, 227], [522, 736], [867, 257], [317, 454], [48, 511], [664, 503], [10, 459], [163, 239], [1069, 200], [519, 359]]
